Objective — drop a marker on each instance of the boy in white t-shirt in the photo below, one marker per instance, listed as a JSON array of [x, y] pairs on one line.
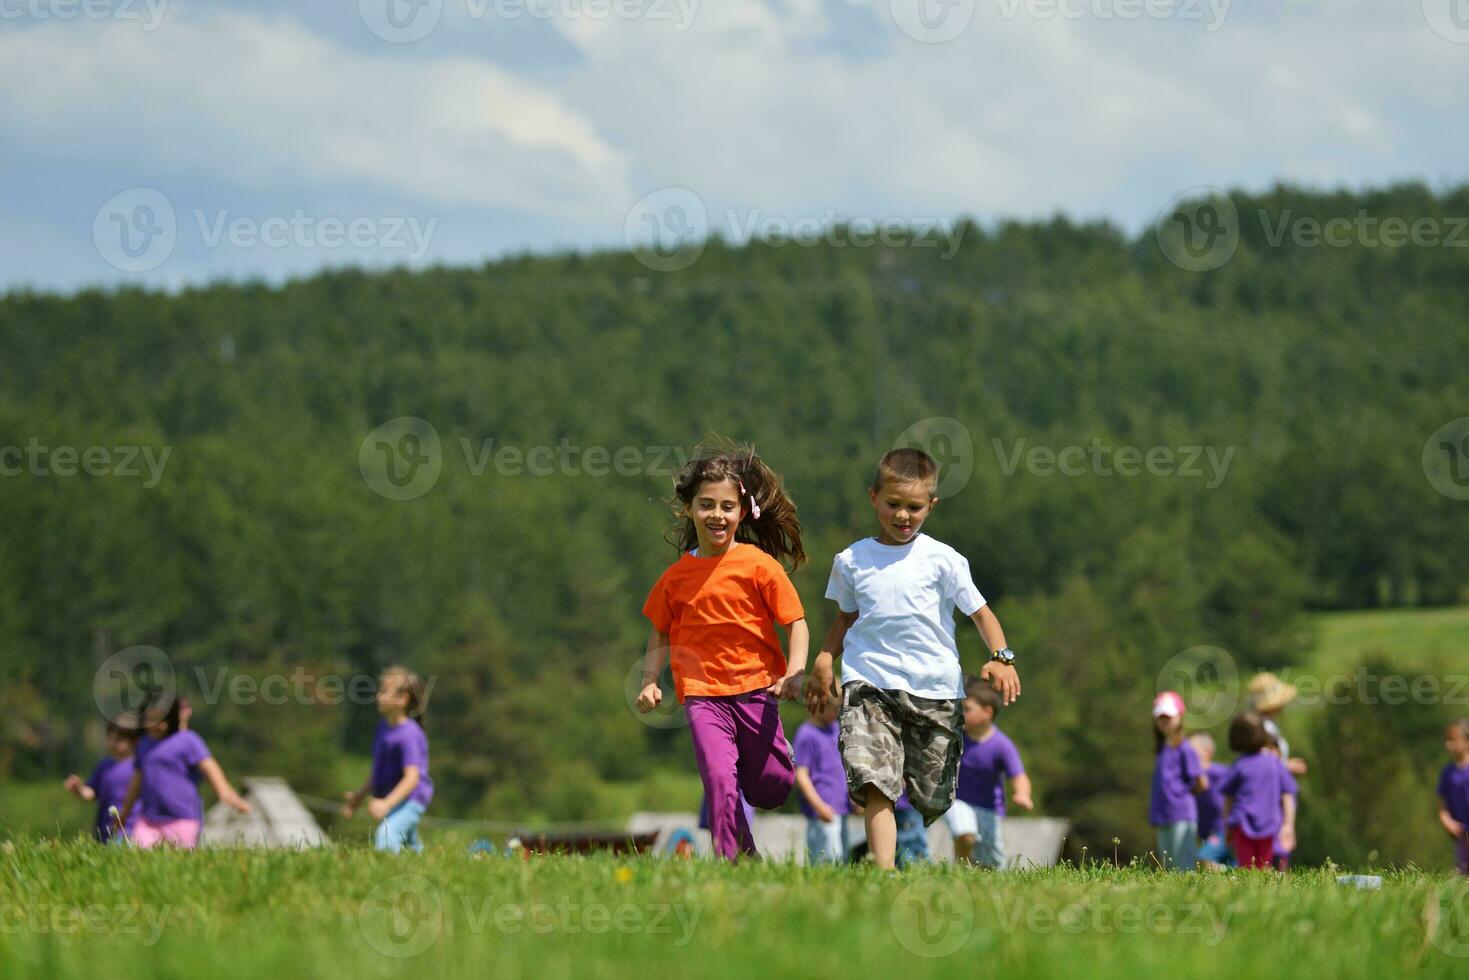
[[902, 717]]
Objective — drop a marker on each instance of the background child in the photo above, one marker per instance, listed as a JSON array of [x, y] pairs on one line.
[[1453, 791], [400, 785], [823, 788], [164, 788], [988, 759], [912, 835], [1177, 776], [1256, 804], [1213, 848], [901, 715], [714, 613], [1280, 860], [109, 782]]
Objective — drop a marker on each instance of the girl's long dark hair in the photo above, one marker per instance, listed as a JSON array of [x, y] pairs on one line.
[[776, 531]]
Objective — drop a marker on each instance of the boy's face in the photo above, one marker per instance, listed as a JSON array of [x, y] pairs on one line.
[[390, 694], [901, 507], [977, 716], [1204, 751], [1455, 741], [119, 745], [828, 714], [715, 511]]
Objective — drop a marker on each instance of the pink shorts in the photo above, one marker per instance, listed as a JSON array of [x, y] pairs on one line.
[[179, 833]]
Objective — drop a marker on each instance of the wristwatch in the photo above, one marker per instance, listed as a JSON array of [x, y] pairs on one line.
[[1005, 656]]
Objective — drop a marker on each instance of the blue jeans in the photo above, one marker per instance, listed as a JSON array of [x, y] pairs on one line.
[[912, 837], [399, 829], [1177, 843], [826, 843], [1215, 850]]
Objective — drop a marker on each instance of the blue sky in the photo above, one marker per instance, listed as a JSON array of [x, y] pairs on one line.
[[163, 143]]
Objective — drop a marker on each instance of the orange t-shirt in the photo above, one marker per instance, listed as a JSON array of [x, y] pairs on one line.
[[720, 615]]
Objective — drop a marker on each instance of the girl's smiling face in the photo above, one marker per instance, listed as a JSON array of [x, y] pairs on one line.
[[391, 695], [902, 507], [716, 512]]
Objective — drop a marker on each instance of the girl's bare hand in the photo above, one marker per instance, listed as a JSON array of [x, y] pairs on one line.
[[650, 698]]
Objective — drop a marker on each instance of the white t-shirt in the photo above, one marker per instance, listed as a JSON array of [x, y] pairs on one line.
[[905, 596]]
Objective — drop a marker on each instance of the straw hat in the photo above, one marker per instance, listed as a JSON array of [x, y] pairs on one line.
[[1269, 693]]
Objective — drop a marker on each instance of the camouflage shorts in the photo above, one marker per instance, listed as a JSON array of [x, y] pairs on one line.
[[895, 740]]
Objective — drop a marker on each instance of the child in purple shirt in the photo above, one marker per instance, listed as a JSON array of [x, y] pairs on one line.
[[400, 785], [987, 760], [1453, 792], [823, 786], [1257, 804], [1177, 776], [109, 782], [1213, 848], [164, 788]]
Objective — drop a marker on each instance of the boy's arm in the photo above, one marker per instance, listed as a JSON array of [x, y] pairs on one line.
[[135, 786], [76, 786], [1001, 676], [654, 660], [377, 809], [1454, 827], [1020, 791], [1288, 829], [788, 688], [819, 683], [813, 799]]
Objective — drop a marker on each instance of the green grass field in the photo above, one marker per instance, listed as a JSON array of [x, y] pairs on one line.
[[74, 909]]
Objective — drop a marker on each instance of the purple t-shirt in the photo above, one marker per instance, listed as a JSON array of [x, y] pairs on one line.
[[1211, 801], [983, 769], [1453, 789], [1256, 782], [393, 748], [817, 750], [110, 781], [170, 768], [1174, 774]]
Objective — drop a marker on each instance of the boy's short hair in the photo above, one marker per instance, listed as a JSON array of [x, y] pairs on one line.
[[126, 726], [1462, 724], [1204, 739], [1247, 733], [906, 466], [984, 695]]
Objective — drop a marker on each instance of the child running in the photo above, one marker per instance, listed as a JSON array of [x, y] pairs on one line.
[[988, 759], [170, 760], [1257, 803], [1213, 849], [714, 613], [1177, 776], [109, 782], [1453, 792], [399, 783], [823, 788], [901, 717]]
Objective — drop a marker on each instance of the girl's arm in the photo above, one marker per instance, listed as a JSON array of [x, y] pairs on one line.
[[654, 660], [222, 787], [1002, 677], [377, 809], [354, 799], [77, 787], [819, 685], [135, 786], [1454, 827], [824, 813], [1288, 829], [798, 645], [1020, 791]]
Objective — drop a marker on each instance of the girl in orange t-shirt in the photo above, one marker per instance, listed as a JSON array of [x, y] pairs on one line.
[[714, 613]]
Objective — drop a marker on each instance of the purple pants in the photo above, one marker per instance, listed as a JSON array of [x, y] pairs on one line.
[[741, 749]]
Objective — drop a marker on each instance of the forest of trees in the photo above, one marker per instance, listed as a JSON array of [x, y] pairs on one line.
[[1318, 372]]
